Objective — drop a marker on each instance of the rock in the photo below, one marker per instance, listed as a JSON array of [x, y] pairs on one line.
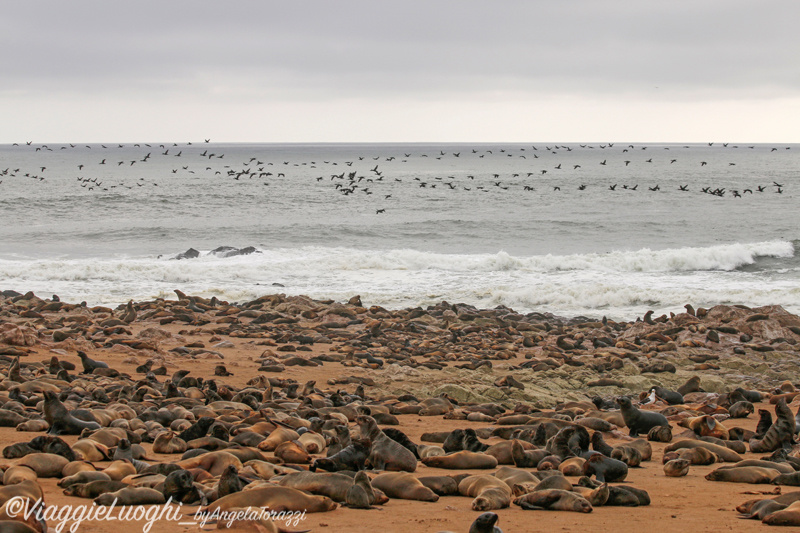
[[191, 253], [14, 335]]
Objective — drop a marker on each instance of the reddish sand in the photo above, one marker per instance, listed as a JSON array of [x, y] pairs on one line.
[[689, 503]]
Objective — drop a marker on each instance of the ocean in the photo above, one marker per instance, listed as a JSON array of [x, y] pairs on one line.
[[592, 229]]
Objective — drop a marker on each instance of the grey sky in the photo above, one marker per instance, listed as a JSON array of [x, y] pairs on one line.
[[401, 71]]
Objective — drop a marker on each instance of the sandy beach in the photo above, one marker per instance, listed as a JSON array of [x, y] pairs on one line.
[[417, 353]]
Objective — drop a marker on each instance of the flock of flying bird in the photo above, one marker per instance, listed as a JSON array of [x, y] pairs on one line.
[[363, 174]]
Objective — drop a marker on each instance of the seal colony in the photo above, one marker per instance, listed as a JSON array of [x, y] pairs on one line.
[[337, 409]]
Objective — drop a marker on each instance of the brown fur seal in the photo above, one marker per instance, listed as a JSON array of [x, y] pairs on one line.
[[13, 526], [118, 470], [276, 498], [169, 442], [785, 517], [93, 489], [332, 485], [386, 454], [721, 452], [485, 523], [463, 460], [741, 409], [605, 469], [404, 486], [597, 497], [525, 458], [706, 426], [512, 476], [677, 467], [292, 452], [45, 464], [59, 418], [83, 477], [131, 496], [599, 444], [361, 495], [440, 485], [179, 485], [779, 434], [783, 468], [75, 467], [637, 420], [572, 466], [628, 455], [489, 492], [229, 482], [17, 474], [791, 479], [550, 482], [25, 489], [213, 462], [503, 451], [696, 456], [89, 365], [761, 508], [743, 474], [352, 457], [554, 499], [660, 434]]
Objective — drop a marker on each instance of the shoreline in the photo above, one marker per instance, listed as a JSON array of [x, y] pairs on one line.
[[467, 355]]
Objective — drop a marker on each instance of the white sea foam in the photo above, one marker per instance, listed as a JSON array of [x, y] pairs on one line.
[[617, 284]]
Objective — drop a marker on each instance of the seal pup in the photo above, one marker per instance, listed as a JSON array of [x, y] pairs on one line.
[[485, 523], [229, 482], [677, 467]]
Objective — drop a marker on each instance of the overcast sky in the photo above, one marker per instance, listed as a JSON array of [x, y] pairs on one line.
[[461, 70]]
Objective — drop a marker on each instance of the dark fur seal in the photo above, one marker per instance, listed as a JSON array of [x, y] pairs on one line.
[[638, 420], [229, 482], [780, 434], [764, 423], [179, 485], [90, 364], [605, 468], [741, 409], [386, 454], [60, 420], [660, 434], [197, 430], [485, 523], [526, 458], [599, 444], [353, 457], [401, 438], [671, 397]]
